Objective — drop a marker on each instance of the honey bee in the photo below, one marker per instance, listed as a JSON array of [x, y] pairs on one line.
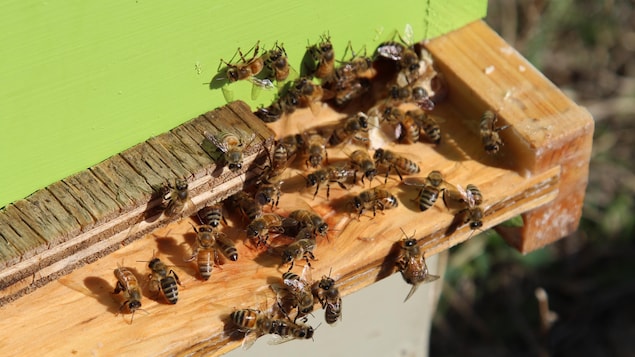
[[227, 247], [300, 249], [315, 148], [307, 93], [428, 126], [353, 129], [164, 281], [360, 160], [347, 81], [465, 201], [329, 296], [323, 54], [177, 198], [232, 145], [407, 129], [260, 227], [417, 95], [246, 68], [268, 193], [129, 285], [492, 141], [393, 161], [406, 58], [205, 251], [278, 162], [277, 62], [327, 175], [309, 219], [430, 190], [299, 288], [212, 215], [412, 265], [375, 199], [255, 323], [247, 206], [285, 103]]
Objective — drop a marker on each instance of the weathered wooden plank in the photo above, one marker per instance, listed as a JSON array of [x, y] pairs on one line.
[[117, 174], [9, 255], [60, 190], [143, 160], [168, 143], [30, 242], [93, 195], [189, 141], [37, 212]]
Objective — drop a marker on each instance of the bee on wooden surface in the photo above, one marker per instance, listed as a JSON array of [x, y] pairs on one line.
[[412, 265], [347, 82], [309, 219], [329, 296], [314, 148], [232, 145], [406, 128], [465, 202], [299, 290], [205, 251], [360, 160], [212, 215], [353, 129], [248, 207], [300, 249], [226, 247], [430, 189], [278, 162], [308, 94], [374, 199], [323, 54], [259, 228], [164, 281], [284, 104], [129, 285], [428, 126], [268, 193], [292, 143], [327, 175], [393, 161], [255, 323], [417, 95], [177, 198], [492, 141]]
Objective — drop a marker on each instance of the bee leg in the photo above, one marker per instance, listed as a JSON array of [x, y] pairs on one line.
[[118, 288], [176, 277]]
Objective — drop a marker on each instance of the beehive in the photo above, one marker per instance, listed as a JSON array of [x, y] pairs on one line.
[[541, 174]]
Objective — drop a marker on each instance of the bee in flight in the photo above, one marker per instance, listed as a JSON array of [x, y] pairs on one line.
[[163, 281], [232, 145], [128, 284], [412, 264]]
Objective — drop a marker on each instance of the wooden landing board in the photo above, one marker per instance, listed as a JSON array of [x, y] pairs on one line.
[[359, 252], [90, 214]]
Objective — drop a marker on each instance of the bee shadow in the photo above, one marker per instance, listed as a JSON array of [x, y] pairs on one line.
[[271, 257], [219, 80], [101, 290], [406, 197], [389, 263]]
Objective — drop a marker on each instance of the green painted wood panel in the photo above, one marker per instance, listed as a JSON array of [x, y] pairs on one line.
[[83, 80]]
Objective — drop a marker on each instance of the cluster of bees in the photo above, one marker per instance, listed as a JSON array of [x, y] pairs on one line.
[[410, 81]]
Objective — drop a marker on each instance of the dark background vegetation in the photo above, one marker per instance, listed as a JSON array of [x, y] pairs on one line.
[[492, 297]]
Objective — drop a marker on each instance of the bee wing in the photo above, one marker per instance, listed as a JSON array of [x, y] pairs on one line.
[[259, 85], [414, 181], [227, 93], [412, 291], [248, 341], [214, 139], [279, 339], [408, 34], [306, 275]]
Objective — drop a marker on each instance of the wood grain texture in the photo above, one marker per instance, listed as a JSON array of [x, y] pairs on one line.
[[92, 213], [359, 251]]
